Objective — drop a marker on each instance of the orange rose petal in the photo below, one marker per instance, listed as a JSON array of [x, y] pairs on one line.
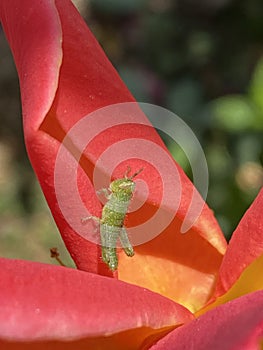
[[182, 267], [64, 75], [245, 248]]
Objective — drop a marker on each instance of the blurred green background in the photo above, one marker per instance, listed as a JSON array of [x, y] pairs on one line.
[[203, 61]]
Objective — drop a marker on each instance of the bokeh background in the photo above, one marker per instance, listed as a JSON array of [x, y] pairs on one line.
[[202, 60]]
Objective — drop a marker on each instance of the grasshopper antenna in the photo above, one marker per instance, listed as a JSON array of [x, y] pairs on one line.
[[135, 174]]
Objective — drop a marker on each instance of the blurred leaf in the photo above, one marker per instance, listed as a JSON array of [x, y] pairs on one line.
[[180, 157], [235, 113], [219, 162], [185, 98], [256, 86], [249, 148], [200, 47], [119, 7], [137, 82]]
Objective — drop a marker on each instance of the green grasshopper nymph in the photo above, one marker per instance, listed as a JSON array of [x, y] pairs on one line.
[[111, 223]]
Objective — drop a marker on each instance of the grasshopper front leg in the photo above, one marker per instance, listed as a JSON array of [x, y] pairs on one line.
[[104, 191]]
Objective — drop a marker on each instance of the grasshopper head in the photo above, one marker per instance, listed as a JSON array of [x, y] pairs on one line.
[[124, 185]]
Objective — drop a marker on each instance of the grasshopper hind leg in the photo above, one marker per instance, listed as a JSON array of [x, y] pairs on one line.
[[112, 259], [109, 256], [125, 242]]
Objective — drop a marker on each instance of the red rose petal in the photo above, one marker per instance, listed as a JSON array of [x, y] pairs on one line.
[[43, 302], [236, 325]]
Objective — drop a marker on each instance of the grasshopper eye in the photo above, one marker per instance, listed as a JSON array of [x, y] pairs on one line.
[[126, 185]]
